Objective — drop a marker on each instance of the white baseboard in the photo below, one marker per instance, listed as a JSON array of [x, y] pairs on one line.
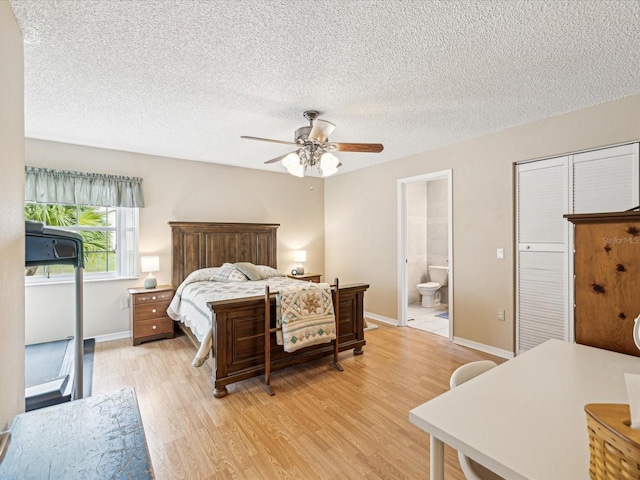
[[498, 352], [113, 336], [380, 318]]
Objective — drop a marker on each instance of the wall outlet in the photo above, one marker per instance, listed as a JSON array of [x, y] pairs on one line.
[[124, 303], [501, 315]]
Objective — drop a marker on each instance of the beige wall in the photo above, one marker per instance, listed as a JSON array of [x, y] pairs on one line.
[[361, 214], [177, 190], [11, 217]]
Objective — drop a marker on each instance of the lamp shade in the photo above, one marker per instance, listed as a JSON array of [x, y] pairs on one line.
[[328, 164], [293, 164], [328, 161], [300, 255], [329, 171], [297, 171], [150, 263], [291, 161]]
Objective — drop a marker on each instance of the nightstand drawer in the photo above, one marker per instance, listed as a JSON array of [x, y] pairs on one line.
[[153, 297], [157, 326], [150, 310]]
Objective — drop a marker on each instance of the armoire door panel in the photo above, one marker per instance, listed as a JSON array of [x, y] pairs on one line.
[[607, 283]]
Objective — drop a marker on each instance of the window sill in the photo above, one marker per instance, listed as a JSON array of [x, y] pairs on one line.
[[71, 280]]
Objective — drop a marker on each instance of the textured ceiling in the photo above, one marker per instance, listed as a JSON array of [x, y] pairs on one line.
[[186, 78]]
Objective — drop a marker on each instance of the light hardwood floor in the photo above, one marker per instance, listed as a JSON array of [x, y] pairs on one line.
[[321, 424]]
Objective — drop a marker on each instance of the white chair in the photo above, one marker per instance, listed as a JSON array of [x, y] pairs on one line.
[[472, 469]]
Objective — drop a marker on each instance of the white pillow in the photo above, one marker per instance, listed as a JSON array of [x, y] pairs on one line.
[[202, 275]]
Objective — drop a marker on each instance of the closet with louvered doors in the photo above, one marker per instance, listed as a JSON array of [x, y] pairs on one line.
[[603, 180]]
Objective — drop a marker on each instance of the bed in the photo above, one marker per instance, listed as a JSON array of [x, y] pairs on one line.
[[237, 320]]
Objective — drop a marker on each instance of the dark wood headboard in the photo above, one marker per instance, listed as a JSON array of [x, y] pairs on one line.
[[196, 245]]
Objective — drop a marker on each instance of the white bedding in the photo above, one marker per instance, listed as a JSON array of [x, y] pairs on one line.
[[189, 305]]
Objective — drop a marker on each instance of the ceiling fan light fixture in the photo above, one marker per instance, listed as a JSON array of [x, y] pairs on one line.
[[293, 164], [296, 171], [314, 149], [328, 173], [291, 161], [328, 161], [328, 164]]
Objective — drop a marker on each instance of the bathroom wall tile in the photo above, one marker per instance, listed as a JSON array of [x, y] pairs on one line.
[[438, 236], [437, 259], [431, 220], [437, 198], [416, 199], [417, 240]]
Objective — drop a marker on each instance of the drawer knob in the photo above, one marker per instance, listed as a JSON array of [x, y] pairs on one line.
[[154, 327], [153, 298], [153, 311]]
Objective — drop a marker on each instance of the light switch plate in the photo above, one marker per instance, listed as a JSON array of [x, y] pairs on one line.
[[500, 253]]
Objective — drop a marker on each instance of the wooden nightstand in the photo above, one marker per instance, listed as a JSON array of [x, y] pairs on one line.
[[149, 319], [307, 277]]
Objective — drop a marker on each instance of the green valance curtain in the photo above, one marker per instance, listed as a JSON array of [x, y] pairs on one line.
[[44, 185]]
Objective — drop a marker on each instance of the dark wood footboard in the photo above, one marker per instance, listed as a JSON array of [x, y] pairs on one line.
[[238, 333]]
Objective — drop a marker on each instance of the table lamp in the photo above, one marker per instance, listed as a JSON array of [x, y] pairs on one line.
[[300, 256], [150, 264]]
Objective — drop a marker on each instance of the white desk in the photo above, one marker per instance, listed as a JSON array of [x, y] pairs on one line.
[[525, 418]]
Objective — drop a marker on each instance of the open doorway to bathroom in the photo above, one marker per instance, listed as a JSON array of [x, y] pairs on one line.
[[425, 224]]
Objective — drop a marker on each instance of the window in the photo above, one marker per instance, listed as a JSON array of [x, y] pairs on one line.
[[103, 209], [109, 234]]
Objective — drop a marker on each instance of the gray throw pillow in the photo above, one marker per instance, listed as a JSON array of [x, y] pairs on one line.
[[250, 270], [228, 273]]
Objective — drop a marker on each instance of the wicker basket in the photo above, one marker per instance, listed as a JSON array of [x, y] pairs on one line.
[[614, 446]]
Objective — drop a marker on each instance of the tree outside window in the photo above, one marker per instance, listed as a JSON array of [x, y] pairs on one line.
[[96, 225]]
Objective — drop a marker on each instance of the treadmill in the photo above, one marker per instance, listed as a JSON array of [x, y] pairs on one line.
[[48, 246]]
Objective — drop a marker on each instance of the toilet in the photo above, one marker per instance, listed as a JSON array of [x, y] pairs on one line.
[[439, 276]]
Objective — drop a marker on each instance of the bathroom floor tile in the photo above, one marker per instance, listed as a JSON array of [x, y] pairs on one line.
[[425, 319]]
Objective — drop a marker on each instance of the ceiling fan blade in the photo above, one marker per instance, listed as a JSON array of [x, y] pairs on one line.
[[267, 140], [358, 147], [321, 130], [277, 159]]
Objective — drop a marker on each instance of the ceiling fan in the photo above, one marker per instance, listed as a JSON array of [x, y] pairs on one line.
[[315, 149]]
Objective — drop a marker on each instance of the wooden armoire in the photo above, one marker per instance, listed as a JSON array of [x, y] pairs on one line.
[[607, 279]]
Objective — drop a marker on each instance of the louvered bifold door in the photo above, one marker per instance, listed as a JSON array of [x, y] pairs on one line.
[[541, 302], [606, 180]]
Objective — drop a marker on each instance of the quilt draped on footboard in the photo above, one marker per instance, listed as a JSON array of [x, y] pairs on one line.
[[306, 315]]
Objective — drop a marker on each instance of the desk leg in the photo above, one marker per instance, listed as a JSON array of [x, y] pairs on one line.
[[437, 459]]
